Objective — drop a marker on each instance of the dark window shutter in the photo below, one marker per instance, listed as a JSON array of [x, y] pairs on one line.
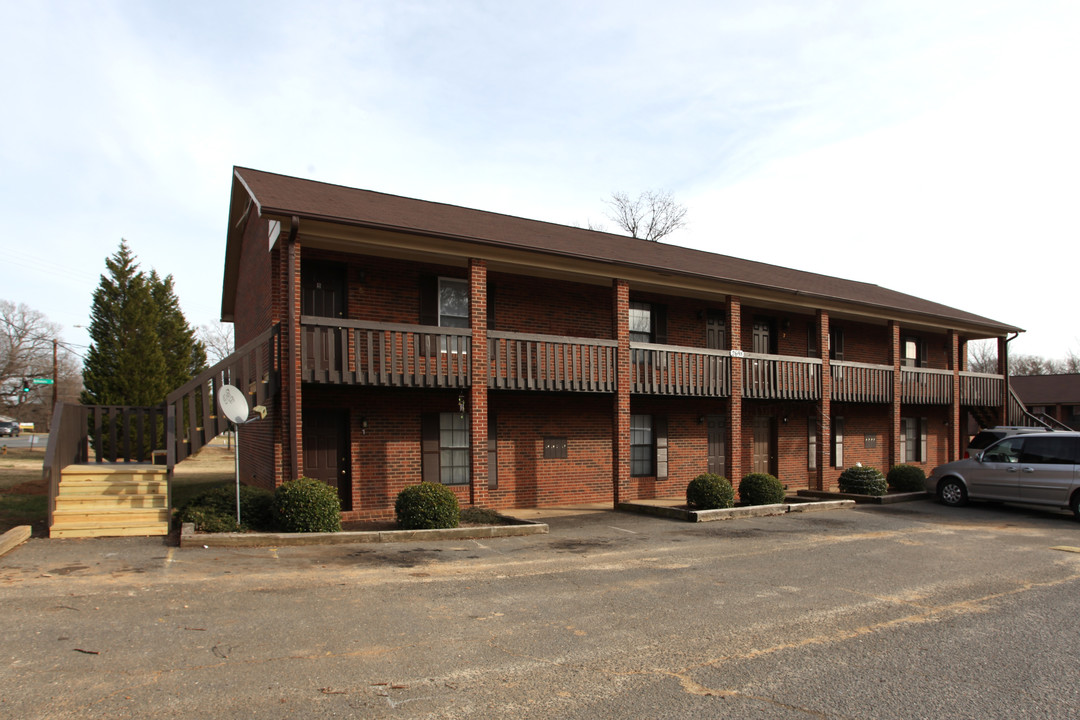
[[429, 447], [924, 360], [491, 306], [493, 452], [836, 344], [812, 340], [429, 310], [660, 430], [659, 324]]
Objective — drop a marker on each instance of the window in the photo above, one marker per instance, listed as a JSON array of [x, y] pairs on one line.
[[641, 326], [913, 439], [836, 343], [913, 353], [453, 449], [1051, 451], [453, 311], [838, 442], [554, 448], [642, 451]]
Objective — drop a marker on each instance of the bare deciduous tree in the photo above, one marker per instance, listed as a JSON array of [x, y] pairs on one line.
[[27, 342], [217, 337], [982, 356], [652, 215]]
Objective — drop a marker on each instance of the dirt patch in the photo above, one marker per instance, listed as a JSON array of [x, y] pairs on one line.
[[33, 487]]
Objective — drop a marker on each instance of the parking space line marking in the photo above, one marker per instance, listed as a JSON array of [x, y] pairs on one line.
[[1066, 548], [632, 532]]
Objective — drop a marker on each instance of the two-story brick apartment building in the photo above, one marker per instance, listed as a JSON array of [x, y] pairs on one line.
[[525, 363]]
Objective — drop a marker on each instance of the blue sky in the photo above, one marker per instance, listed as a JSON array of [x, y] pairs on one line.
[[926, 146]]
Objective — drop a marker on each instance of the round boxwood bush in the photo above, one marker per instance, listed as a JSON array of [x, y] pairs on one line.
[[427, 506], [761, 489], [214, 510], [863, 480], [709, 491], [307, 505], [906, 478]]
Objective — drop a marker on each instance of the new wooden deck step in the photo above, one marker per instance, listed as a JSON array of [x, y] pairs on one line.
[[111, 501]]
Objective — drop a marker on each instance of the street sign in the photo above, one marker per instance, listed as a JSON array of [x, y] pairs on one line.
[[42, 381]]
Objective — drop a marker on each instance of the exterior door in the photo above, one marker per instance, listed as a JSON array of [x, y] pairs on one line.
[[997, 475], [322, 286], [716, 429], [715, 330], [762, 337], [764, 445], [326, 451]]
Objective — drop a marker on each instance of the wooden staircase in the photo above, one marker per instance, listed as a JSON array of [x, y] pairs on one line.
[[104, 500]]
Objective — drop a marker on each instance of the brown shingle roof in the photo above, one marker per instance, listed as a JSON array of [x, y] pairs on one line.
[[284, 195], [1047, 389]]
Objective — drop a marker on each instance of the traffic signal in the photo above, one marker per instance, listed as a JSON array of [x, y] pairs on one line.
[[25, 385]]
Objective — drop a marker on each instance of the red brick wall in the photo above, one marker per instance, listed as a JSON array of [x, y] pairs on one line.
[[566, 308]]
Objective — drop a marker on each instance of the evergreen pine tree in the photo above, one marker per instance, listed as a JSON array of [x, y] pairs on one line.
[[185, 356], [141, 347]]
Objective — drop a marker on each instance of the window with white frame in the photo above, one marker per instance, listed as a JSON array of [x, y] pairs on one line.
[[642, 446], [913, 439], [453, 310], [641, 328], [454, 448]]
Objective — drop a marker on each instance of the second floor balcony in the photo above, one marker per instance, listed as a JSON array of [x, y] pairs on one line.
[[365, 353]]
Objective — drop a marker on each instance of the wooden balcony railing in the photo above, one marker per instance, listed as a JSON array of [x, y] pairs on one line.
[[981, 390], [676, 370], [922, 386], [775, 377], [191, 410], [861, 382], [521, 361], [384, 354]]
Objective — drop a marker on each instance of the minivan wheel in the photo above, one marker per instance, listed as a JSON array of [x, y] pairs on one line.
[[952, 493]]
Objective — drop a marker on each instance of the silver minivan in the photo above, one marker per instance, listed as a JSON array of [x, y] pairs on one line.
[[1033, 468]]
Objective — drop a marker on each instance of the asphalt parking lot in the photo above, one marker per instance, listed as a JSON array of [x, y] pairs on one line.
[[900, 611]]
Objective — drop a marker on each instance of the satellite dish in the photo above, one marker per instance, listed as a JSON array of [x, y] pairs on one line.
[[233, 404]]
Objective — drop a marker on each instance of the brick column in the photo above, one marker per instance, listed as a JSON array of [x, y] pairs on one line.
[[620, 426], [823, 480], [898, 393], [293, 430], [954, 414], [478, 391], [734, 460]]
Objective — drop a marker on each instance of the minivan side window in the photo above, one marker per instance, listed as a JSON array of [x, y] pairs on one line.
[[1050, 450], [1006, 451]]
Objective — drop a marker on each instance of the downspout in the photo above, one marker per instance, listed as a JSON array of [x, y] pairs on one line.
[[294, 350], [1005, 372]]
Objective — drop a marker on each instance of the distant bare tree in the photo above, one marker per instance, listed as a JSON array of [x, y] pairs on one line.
[[1072, 363], [1033, 365], [28, 340], [982, 356], [217, 337], [652, 215]]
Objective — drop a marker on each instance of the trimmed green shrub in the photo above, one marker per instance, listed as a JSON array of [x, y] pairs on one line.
[[307, 505], [863, 480], [427, 506], [761, 489], [906, 478], [481, 516], [709, 491], [214, 510]]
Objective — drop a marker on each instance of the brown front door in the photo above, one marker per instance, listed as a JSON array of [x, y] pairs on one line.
[[716, 429], [764, 448], [326, 451], [715, 331]]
